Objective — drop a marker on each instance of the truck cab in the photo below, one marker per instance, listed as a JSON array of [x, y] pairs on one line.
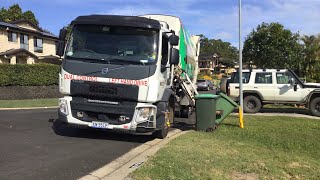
[[117, 73]]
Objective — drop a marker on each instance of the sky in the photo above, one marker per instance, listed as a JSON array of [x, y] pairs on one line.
[[216, 19]]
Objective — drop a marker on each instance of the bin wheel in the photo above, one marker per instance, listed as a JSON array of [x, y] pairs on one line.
[[252, 104], [211, 129]]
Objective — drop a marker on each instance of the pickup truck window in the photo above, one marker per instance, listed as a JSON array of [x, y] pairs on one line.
[[283, 78], [245, 77], [263, 78]]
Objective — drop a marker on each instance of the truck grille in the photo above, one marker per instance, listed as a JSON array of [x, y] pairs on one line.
[[98, 90], [120, 113]]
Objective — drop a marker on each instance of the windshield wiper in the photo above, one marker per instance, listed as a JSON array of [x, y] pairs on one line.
[[89, 59]]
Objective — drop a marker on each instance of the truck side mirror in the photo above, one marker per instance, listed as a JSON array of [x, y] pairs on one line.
[[174, 40], [174, 56], [61, 43], [60, 48], [292, 82], [63, 34]]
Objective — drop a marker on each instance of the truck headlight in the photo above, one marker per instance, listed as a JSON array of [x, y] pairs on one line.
[[145, 113], [63, 106]]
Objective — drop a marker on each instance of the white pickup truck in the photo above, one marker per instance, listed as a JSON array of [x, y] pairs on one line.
[[272, 86]]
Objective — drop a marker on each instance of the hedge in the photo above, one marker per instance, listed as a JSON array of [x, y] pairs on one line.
[[29, 74]]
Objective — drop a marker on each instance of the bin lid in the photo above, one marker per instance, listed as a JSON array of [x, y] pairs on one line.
[[228, 99], [206, 96]]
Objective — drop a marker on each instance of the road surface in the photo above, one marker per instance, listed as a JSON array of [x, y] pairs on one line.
[[34, 147]]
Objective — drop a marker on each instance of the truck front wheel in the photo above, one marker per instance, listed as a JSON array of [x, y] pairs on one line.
[[315, 106], [168, 119], [251, 104]]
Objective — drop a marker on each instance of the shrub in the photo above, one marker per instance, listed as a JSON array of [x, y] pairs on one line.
[[29, 74]]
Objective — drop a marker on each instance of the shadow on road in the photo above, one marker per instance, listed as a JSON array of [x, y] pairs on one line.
[[183, 126], [285, 110], [62, 129]]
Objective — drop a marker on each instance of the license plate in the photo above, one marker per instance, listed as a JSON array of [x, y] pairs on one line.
[[102, 125]]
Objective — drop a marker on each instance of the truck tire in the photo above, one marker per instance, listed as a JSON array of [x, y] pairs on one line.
[[315, 106], [185, 112], [251, 104], [163, 132]]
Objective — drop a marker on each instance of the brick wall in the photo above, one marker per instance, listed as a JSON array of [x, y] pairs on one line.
[[28, 92]]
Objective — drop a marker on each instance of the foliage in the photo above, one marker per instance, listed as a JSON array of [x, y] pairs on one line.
[[272, 46], [14, 13], [228, 54], [311, 64], [29, 75], [203, 74]]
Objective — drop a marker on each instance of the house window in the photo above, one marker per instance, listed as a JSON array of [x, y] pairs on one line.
[[38, 45], [24, 41], [12, 36]]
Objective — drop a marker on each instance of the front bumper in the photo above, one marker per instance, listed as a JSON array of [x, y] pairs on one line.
[[136, 123]]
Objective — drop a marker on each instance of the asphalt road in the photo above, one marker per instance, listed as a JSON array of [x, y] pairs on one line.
[[33, 146]]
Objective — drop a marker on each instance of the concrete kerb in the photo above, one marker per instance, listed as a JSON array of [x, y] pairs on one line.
[[29, 108], [124, 165]]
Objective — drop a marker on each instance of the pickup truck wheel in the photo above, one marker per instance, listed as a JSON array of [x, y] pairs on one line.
[[315, 106], [251, 104]]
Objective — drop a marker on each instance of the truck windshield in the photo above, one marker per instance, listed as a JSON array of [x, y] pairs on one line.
[[113, 44]]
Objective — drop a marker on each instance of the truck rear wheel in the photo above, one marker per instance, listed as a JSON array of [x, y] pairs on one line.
[[251, 104], [185, 112], [315, 106]]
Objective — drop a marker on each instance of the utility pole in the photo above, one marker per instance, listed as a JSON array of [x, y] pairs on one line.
[[240, 72]]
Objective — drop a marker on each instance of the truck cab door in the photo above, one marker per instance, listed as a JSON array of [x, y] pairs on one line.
[[284, 91], [165, 65]]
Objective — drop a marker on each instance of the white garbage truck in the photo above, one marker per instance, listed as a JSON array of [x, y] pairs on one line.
[[127, 73]]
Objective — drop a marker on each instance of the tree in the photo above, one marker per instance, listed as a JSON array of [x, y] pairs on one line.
[[3, 15], [272, 46], [311, 63], [28, 15], [225, 50], [14, 13]]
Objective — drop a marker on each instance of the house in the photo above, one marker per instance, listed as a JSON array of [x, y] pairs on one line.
[[22, 42], [208, 62]]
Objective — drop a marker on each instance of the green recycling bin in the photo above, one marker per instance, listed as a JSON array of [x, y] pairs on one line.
[[205, 112], [224, 106]]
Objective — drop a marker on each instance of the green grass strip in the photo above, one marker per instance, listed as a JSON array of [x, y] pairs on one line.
[[267, 148], [28, 103]]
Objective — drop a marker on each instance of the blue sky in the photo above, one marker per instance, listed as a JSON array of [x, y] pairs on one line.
[[216, 19]]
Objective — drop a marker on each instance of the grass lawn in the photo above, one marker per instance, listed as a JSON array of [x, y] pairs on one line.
[[267, 148], [28, 103]]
